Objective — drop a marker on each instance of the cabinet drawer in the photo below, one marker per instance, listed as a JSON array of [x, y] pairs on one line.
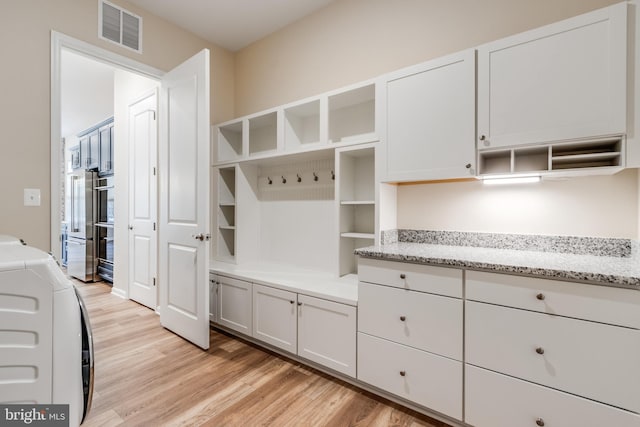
[[592, 302], [424, 321], [424, 378], [497, 400], [415, 277], [589, 359]]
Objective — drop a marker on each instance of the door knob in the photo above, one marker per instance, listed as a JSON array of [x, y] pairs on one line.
[[131, 227], [198, 237]]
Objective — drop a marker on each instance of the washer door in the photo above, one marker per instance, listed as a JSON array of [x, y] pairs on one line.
[[87, 357]]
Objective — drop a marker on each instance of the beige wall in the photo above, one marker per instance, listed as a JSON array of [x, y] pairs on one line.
[[25, 44], [597, 206], [353, 40]]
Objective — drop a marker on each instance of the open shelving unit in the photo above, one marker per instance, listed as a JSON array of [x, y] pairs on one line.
[[596, 155], [302, 125], [230, 140], [226, 214], [356, 203], [352, 115], [263, 133]]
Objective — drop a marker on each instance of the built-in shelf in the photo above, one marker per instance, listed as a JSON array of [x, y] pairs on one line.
[[104, 224], [263, 135], [359, 235], [357, 202], [230, 141], [302, 125], [603, 155], [352, 115], [225, 241], [357, 206]]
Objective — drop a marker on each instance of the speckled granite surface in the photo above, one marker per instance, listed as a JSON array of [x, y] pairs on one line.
[[611, 262]]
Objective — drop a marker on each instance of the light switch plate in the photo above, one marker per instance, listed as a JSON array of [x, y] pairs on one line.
[[32, 197]]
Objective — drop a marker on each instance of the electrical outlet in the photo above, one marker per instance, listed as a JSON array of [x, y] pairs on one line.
[[32, 197]]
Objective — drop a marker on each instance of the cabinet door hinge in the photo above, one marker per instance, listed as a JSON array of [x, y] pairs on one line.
[[154, 171], [154, 226], [154, 281]]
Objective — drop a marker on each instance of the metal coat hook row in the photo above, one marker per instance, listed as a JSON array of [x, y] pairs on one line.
[[284, 180]]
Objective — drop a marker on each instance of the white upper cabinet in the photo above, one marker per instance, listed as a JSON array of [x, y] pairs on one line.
[[564, 81], [431, 120]]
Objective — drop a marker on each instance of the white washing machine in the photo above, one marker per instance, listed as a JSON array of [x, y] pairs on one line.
[[45, 335]]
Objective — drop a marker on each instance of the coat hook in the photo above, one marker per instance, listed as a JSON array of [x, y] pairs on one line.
[[333, 175], [299, 178], [315, 176], [269, 179], [284, 180]]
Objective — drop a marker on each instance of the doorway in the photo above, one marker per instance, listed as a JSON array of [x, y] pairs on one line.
[[90, 85]]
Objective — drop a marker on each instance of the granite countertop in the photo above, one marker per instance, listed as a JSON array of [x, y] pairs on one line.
[[610, 262]]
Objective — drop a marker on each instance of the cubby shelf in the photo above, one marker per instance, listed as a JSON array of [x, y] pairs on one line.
[[357, 202], [332, 120], [590, 155]]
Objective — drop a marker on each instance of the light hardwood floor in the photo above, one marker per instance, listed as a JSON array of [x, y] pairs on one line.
[[147, 376]]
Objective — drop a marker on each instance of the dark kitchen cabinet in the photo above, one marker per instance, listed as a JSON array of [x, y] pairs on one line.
[[89, 147], [105, 166]]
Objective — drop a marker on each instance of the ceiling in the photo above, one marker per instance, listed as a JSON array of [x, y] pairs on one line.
[[232, 24]]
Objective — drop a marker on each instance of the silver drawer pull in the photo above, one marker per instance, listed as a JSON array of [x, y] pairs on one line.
[[540, 350], [540, 296], [540, 422], [403, 373]]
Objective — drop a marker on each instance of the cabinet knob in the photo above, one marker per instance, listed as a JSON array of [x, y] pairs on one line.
[[299, 304], [540, 350], [468, 166], [540, 296], [403, 318], [403, 276], [292, 301], [403, 373], [482, 137], [540, 422]]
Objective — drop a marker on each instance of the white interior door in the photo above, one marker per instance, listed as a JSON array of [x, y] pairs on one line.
[[143, 200], [184, 200]]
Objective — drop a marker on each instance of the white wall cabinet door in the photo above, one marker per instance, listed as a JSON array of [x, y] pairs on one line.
[[431, 120], [274, 317], [234, 304], [560, 82], [327, 333]]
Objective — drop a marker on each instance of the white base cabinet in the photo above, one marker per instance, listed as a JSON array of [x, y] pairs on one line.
[[327, 333], [274, 317], [235, 305], [496, 400], [315, 329]]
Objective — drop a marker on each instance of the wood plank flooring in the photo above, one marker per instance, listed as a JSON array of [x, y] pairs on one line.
[[147, 376]]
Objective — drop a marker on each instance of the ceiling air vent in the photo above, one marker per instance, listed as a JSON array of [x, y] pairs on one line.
[[119, 26]]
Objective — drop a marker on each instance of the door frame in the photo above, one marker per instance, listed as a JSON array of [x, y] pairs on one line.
[[61, 41]]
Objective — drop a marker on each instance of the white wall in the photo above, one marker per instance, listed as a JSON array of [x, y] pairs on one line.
[[127, 88], [597, 206]]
